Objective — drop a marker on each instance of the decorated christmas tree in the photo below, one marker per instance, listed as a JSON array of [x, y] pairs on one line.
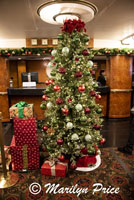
[[72, 118]]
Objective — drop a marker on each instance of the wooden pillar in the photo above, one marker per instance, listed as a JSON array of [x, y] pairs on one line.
[[119, 75], [4, 84]]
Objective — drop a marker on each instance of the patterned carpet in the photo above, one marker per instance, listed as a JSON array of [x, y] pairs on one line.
[[116, 170]]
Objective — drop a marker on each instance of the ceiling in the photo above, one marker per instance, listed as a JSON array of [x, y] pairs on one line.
[[19, 19]]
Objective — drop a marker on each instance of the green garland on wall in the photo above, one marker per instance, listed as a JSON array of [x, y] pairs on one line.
[[42, 51]]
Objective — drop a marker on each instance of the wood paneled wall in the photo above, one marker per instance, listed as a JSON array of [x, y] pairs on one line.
[[120, 81], [4, 84]]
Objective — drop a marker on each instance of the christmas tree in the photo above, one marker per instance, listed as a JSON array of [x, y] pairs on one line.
[[72, 117]]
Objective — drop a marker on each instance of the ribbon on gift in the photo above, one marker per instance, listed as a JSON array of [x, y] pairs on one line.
[[52, 164], [25, 159], [20, 107]]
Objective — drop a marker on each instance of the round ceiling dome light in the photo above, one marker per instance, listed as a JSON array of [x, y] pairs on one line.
[[55, 12]]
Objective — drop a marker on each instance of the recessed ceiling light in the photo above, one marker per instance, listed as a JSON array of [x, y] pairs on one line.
[[55, 12]]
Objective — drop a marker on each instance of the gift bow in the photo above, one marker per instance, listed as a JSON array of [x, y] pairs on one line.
[[52, 164], [20, 107]]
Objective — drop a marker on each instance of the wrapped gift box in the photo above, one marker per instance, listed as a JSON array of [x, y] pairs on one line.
[[58, 169], [24, 157], [25, 131], [21, 110]]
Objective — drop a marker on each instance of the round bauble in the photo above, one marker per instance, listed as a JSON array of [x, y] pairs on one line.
[[61, 158], [97, 126], [99, 110], [52, 73], [44, 97], [85, 52], [42, 106], [90, 63], [50, 64], [81, 88], [83, 118], [92, 93], [74, 137], [76, 59], [69, 125], [92, 72], [56, 88], [88, 138], [60, 141], [65, 111], [45, 128], [54, 52], [65, 51], [69, 100], [87, 110], [49, 105], [103, 140], [78, 107], [98, 97], [62, 70], [78, 74], [84, 151], [59, 101], [73, 166]]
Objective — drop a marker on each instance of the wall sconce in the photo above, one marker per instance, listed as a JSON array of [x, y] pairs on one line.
[[128, 40]]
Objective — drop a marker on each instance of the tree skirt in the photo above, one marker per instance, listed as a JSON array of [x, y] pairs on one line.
[[87, 169]]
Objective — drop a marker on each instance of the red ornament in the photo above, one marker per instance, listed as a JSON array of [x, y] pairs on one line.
[[44, 52], [84, 151], [61, 158], [65, 111], [85, 52], [54, 64], [76, 59], [29, 52], [59, 101], [51, 81], [81, 88], [59, 141], [62, 70], [92, 72], [97, 126], [92, 93], [78, 74], [56, 88], [87, 110], [44, 97], [73, 166], [103, 140], [49, 50], [98, 97], [69, 100], [8, 54], [25, 52], [96, 147], [45, 128]]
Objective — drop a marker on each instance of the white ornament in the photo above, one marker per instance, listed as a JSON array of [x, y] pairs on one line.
[[69, 125], [74, 137], [49, 105], [78, 107], [54, 52], [88, 138], [90, 63], [49, 64], [65, 51]]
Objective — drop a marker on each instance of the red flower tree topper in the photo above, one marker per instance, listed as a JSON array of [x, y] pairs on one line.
[[70, 25]]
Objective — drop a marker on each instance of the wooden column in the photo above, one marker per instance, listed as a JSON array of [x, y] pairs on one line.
[[119, 75], [4, 84], [21, 68]]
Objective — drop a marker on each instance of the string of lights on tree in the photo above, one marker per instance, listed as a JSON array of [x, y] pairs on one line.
[[42, 51]]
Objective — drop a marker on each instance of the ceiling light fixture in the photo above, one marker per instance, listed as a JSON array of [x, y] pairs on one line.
[[55, 12], [128, 40]]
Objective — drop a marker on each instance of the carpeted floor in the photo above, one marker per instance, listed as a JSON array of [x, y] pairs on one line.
[[116, 170]]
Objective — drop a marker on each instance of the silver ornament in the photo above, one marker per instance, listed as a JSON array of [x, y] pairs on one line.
[[74, 137], [69, 125], [49, 105], [65, 51], [90, 63], [54, 52], [49, 64], [88, 138], [78, 107]]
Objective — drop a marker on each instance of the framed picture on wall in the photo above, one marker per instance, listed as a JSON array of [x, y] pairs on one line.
[[33, 41], [44, 41], [54, 41]]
